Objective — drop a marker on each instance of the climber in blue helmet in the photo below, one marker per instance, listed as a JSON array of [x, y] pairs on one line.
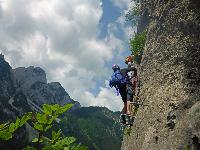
[[118, 80]]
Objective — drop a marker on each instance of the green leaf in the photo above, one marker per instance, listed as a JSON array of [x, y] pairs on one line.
[[35, 140], [25, 118], [65, 108], [55, 107], [56, 135], [47, 127], [17, 123], [67, 148], [5, 135], [3, 126], [38, 126], [47, 109], [65, 142], [50, 121], [41, 118], [14, 126]]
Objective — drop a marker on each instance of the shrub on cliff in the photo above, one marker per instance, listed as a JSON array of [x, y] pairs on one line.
[[137, 44]]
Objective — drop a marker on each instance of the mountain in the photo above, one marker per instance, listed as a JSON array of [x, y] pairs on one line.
[[6, 78], [26, 89], [96, 127], [170, 78]]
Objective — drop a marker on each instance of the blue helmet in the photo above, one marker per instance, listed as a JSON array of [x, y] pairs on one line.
[[115, 67]]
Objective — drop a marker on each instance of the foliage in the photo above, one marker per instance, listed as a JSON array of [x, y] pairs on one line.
[[137, 44], [7, 129], [127, 130], [42, 122]]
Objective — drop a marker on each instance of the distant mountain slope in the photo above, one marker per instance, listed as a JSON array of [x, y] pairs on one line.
[[96, 127]]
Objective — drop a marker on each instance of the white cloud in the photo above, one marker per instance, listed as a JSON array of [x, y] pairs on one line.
[[107, 97], [62, 38]]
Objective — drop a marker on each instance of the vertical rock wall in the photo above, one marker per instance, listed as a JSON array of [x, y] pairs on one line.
[[170, 79]]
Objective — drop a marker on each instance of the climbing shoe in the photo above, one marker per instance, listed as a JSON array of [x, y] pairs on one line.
[[127, 120], [123, 119], [131, 120]]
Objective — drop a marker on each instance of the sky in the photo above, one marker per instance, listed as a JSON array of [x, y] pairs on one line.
[[74, 41]]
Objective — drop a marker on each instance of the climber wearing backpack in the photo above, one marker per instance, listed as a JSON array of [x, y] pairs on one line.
[[119, 82]]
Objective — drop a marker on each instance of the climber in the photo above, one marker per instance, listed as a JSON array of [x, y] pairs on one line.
[[134, 78], [122, 81], [134, 84], [119, 82], [132, 88]]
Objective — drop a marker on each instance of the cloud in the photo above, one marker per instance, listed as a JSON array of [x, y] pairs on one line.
[[107, 97], [62, 38]]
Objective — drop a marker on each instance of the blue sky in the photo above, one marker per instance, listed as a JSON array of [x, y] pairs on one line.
[[75, 42], [110, 14]]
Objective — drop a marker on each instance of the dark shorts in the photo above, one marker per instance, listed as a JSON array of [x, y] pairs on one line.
[[129, 93], [126, 92]]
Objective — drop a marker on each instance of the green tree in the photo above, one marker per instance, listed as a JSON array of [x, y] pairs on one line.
[[42, 122]]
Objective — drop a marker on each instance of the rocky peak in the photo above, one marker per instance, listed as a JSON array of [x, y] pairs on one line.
[[1, 57], [4, 67], [6, 79], [50, 93], [26, 77], [30, 82]]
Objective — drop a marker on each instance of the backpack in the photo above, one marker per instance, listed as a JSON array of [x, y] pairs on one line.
[[118, 79]]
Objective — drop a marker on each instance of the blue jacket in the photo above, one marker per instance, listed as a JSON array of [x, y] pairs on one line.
[[117, 79]]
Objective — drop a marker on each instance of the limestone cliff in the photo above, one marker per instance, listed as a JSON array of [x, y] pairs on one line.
[[170, 79]]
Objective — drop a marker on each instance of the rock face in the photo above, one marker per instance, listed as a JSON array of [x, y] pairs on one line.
[[170, 79], [32, 82]]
